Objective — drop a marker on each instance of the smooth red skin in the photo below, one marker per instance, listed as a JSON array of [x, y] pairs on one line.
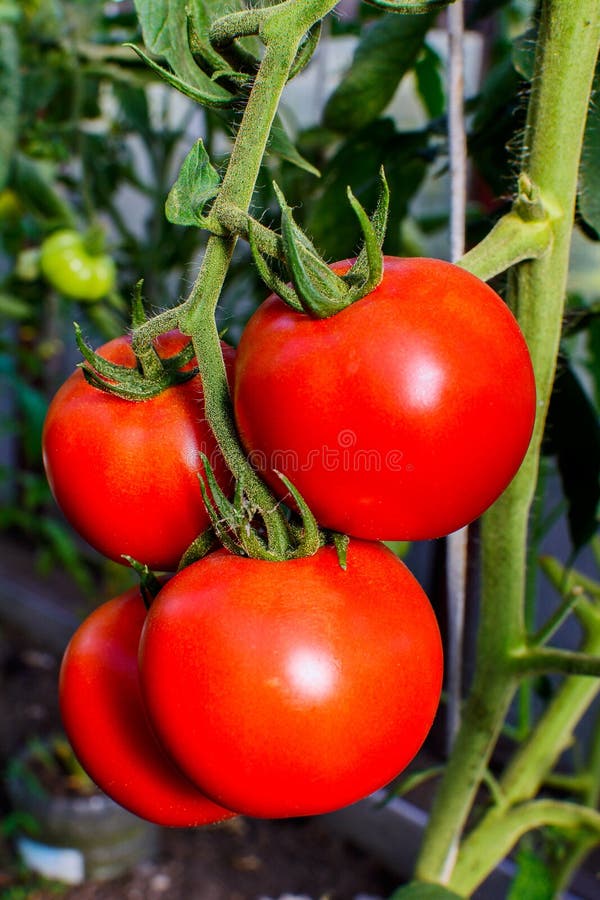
[[106, 723], [401, 418], [124, 472], [292, 688]]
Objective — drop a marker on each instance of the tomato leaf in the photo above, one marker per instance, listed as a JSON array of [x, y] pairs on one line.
[[480, 9], [589, 170], [418, 890], [429, 82], [12, 307], [280, 144], [164, 28], [499, 116], [388, 50], [533, 879], [197, 183], [10, 94], [573, 436], [523, 53]]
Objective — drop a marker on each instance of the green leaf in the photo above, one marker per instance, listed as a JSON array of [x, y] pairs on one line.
[[9, 12], [35, 182], [133, 105], [573, 436], [419, 890], [523, 53], [499, 117], [589, 170], [533, 879], [430, 85], [13, 307], [280, 144], [594, 355], [483, 8], [197, 183], [165, 32], [386, 52], [10, 96]]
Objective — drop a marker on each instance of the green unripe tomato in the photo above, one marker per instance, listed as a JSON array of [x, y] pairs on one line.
[[72, 269]]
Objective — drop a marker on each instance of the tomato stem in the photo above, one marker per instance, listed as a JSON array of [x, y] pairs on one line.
[[282, 29], [568, 43]]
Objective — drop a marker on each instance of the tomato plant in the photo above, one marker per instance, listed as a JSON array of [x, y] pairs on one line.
[[105, 721], [125, 473], [292, 688], [70, 266], [402, 417]]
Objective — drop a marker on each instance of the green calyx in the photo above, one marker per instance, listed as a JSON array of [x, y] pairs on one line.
[[152, 374], [238, 525], [150, 585], [308, 284]]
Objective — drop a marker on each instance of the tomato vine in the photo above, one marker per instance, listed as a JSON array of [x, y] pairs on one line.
[[214, 65]]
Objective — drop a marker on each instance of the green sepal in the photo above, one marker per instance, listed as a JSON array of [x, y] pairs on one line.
[[269, 276], [367, 270], [231, 520], [310, 536], [315, 287], [197, 184], [319, 290], [214, 101], [150, 585], [150, 378], [198, 549], [234, 523], [410, 6], [222, 533], [138, 311], [341, 542]]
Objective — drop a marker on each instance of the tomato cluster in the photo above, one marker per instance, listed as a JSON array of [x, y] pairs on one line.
[[272, 689], [295, 687]]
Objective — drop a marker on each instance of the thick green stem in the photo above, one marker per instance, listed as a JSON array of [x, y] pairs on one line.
[[491, 839], [502, 831], [567, 50], [282, 30], [583, 843]]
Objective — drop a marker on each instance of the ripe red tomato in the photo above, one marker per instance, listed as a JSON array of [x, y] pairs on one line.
[[401, 418], [292, 688], [125, 472], [105, 721]]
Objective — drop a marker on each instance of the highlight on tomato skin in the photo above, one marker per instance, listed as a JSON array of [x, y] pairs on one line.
[[125, 473], [106, 723], [300, 687], [402, 417]]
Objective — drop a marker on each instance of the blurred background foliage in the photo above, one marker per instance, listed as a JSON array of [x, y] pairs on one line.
[[91, 138]]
